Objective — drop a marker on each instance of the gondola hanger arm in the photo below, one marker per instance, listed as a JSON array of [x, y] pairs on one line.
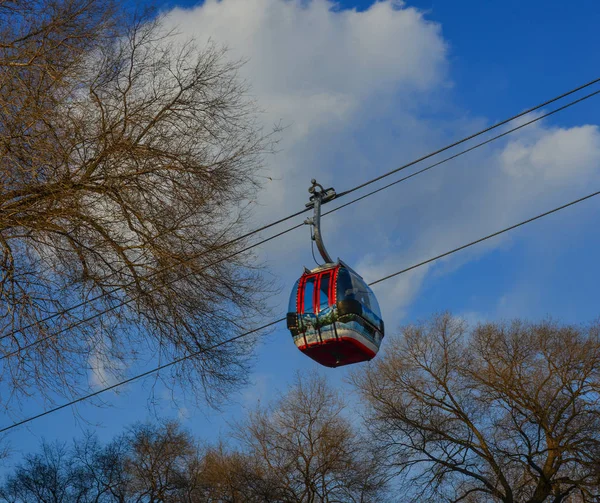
[[319, 197]]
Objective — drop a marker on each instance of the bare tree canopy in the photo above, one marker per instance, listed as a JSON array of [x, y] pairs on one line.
[[298, 450], [503, 412], [50, 476], [150, 464], [127, 159], [309, 450]]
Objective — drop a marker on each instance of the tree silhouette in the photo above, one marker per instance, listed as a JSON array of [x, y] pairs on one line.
[[503, 412], [127, 159]]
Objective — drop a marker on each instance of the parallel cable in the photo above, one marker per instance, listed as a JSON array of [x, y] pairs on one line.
[[237, 337], [462, 152], [117, 289], [130, 300], [364, 196], [498, 124], [341, 194], [135, 378]]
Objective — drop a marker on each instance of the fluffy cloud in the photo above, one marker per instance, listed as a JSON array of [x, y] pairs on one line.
[[104, 370], [554, 155], [345, 84], [310, 64], [358, 91]]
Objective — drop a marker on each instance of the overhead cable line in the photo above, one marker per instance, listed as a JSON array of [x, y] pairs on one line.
[[341, 194], [463, 152], [483, 131], [237, 337], [132, 299], [195, 256], [135, 378]]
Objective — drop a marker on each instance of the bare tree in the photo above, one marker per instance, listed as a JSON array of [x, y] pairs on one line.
[[48, 477], [308, 451], [318, 457], [127, 159], [504, 412], [102, 469], [158, 461], [151, 463], [222, 475]]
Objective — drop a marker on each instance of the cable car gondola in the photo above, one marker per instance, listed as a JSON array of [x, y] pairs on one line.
[[333, 315]]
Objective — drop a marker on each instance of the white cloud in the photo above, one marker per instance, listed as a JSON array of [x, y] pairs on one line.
[[556, 155], [332, 76], [183, 413], [310, 64], [358, 91], [104, 370]]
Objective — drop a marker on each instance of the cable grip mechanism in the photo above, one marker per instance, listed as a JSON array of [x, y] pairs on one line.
[[319, 197]]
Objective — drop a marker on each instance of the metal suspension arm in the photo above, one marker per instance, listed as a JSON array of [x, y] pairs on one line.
[[320, 196]]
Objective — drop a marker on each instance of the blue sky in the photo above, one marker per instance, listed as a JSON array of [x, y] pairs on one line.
[[363, 92]]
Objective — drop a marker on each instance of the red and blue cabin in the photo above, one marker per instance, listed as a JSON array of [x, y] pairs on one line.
[[334, 316]]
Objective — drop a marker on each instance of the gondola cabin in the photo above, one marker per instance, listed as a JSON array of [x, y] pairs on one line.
[[334, 316]]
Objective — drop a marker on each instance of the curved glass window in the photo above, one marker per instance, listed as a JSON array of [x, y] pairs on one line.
[[309, 288], [361, 291], [324, 291], [344, 285], [374, 304], [293, 303]]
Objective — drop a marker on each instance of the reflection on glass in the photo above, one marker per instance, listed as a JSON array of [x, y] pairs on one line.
[[360, 291], [309, 288], [293, 304], [374, 304], [324, 291], [344, 285]]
